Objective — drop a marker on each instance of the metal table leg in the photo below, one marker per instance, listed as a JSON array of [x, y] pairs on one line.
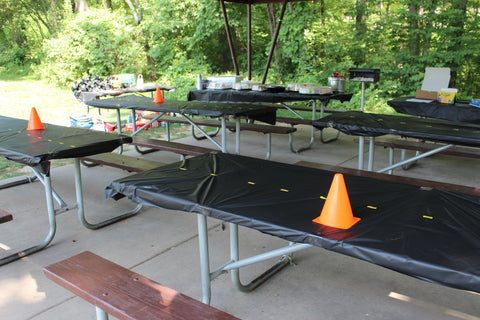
[[312, 135], [234, 264], [81, 211], [413, 159], [51, 232], [322, 108], [204, 257]]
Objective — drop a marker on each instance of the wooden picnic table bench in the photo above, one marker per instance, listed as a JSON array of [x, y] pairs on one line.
[[124, 294], [394, 178], [244, 126], [5, 216], [121, 161], [137, 164], [422, 146], [170, 146]]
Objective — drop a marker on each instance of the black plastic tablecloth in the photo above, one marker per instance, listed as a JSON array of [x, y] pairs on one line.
[[261, 96], [35, 148], [425, 233], [261, 112], [370, 124], [461, 112]]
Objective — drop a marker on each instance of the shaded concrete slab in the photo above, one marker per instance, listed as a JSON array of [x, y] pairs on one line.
[[163, 245]]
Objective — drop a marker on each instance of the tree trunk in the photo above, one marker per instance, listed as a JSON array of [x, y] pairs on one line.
[[81, 6], [360, 29], [458, 23], [273, 25], [413, 45], [137, 15]]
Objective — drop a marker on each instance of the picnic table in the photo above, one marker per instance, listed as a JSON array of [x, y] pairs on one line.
[[460, 111], [92, 95], [36, 148], [373, 125], [281, 98], [427, 233], [186, 109]]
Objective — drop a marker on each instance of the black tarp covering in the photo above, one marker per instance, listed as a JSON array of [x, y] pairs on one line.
[[261, 112], [36, 147], [372, 125], [425, 233], [259, 96], [461, 112]]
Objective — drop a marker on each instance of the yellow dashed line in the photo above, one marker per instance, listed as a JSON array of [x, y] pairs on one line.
[[250, 182], [322, 197], [284, 190], [184, 169], [213, 174], [372, 207], [428, 217]]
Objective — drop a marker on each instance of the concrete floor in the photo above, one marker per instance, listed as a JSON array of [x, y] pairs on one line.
[[163, 245]]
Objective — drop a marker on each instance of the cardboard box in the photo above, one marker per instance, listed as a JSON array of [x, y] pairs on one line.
[[434, 80], [427, 95]]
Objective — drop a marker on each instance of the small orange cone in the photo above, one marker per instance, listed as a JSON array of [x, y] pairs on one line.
[[158, 96], [35, 123], [337, 211]]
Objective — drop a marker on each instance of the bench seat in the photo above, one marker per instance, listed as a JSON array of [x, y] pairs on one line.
[[170, 146], [263, 128], [394, 178], [124, 162], [5, 216], [124, 294]]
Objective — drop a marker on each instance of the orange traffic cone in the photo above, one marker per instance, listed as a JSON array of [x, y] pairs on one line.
[[35, 123], [158, 96], [337, 211]]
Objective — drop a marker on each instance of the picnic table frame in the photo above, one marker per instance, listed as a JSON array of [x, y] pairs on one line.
[[281, 98], [395, 230], [37, 148], [372, 125], [187, 109]]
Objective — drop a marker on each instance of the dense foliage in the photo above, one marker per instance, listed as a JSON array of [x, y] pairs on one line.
[[173, 41]]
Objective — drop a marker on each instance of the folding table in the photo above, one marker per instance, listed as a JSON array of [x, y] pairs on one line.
[[274, 97], [425, 233], [373, 125], [186, 109], [36, 148]]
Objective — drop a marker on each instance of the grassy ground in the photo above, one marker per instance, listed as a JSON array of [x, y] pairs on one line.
[[18, 94]]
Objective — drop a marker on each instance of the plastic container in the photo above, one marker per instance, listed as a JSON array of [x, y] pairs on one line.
[[337, 84], [140, 81], [81, 121]]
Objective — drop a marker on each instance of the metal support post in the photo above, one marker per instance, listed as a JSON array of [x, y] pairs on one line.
[[204, 257]]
